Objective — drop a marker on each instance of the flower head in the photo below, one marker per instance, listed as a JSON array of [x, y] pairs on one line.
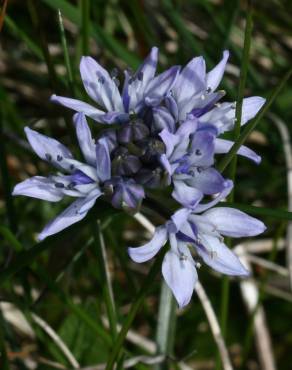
[[194, 237]]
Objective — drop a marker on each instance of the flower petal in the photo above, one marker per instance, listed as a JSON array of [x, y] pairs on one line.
[[250, 108], [99, 85], [170, 140], [39, 187], [219, 257], [202, 147], [158, 88], [180, 274], [74, 213], [84, 137], [190, 81], [208, 180], [186, 195], [215, 75], [203, 207], [150, 249], [103, 160], [79, 106], [223, 146], [234, 223], [162, 119], [48, 149]]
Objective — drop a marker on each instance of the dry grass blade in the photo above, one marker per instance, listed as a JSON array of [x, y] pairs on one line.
[[250, 294], [2, 13], [285, 136], [214, 325]]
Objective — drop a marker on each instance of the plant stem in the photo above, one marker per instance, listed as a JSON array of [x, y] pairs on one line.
[[137, 303], [100, 252], [166, 324]]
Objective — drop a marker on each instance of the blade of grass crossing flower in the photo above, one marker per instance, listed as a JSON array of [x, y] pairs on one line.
[[137, 303], [251, 126], [166, 324], [238, 113], [66, 54], [100, 252]]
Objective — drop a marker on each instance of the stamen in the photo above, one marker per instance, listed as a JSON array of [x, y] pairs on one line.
[[72, 167], [208, 90], [218, 105], [59, 158], [48, 157], [101, 80], [198, 265], [198, 152], [59, 185], [71, 185], [140, 76], [114, 73], [182, 257], [203, 97], [116, 81], [213, 254]]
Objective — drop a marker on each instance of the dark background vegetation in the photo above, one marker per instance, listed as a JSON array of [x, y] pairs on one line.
[[120, 34]]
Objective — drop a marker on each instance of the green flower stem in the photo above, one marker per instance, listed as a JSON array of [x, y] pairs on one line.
[[100, 252], [166, 323], [238, 114], [137, 303]]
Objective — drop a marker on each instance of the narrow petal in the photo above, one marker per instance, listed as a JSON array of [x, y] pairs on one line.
[[99, 85], [180, 274], [215, 75], [250, 108], [149, 250], [179, 218], [186, 195], [203, 207], [191, 80], [103, 161], [234, 223], [219, 257], [202, 146], [162, 119], [223, 146], [170, 140], [79, 106], [84, 137], [48, 149], [39, 187], [209, 181], [74, 213], [158, 88], [147, 70]]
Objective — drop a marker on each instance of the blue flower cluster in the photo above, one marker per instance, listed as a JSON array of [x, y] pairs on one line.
[[160, 130]]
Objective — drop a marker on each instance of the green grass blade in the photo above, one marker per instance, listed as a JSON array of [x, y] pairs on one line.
[[107, 41], [99, 250]]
